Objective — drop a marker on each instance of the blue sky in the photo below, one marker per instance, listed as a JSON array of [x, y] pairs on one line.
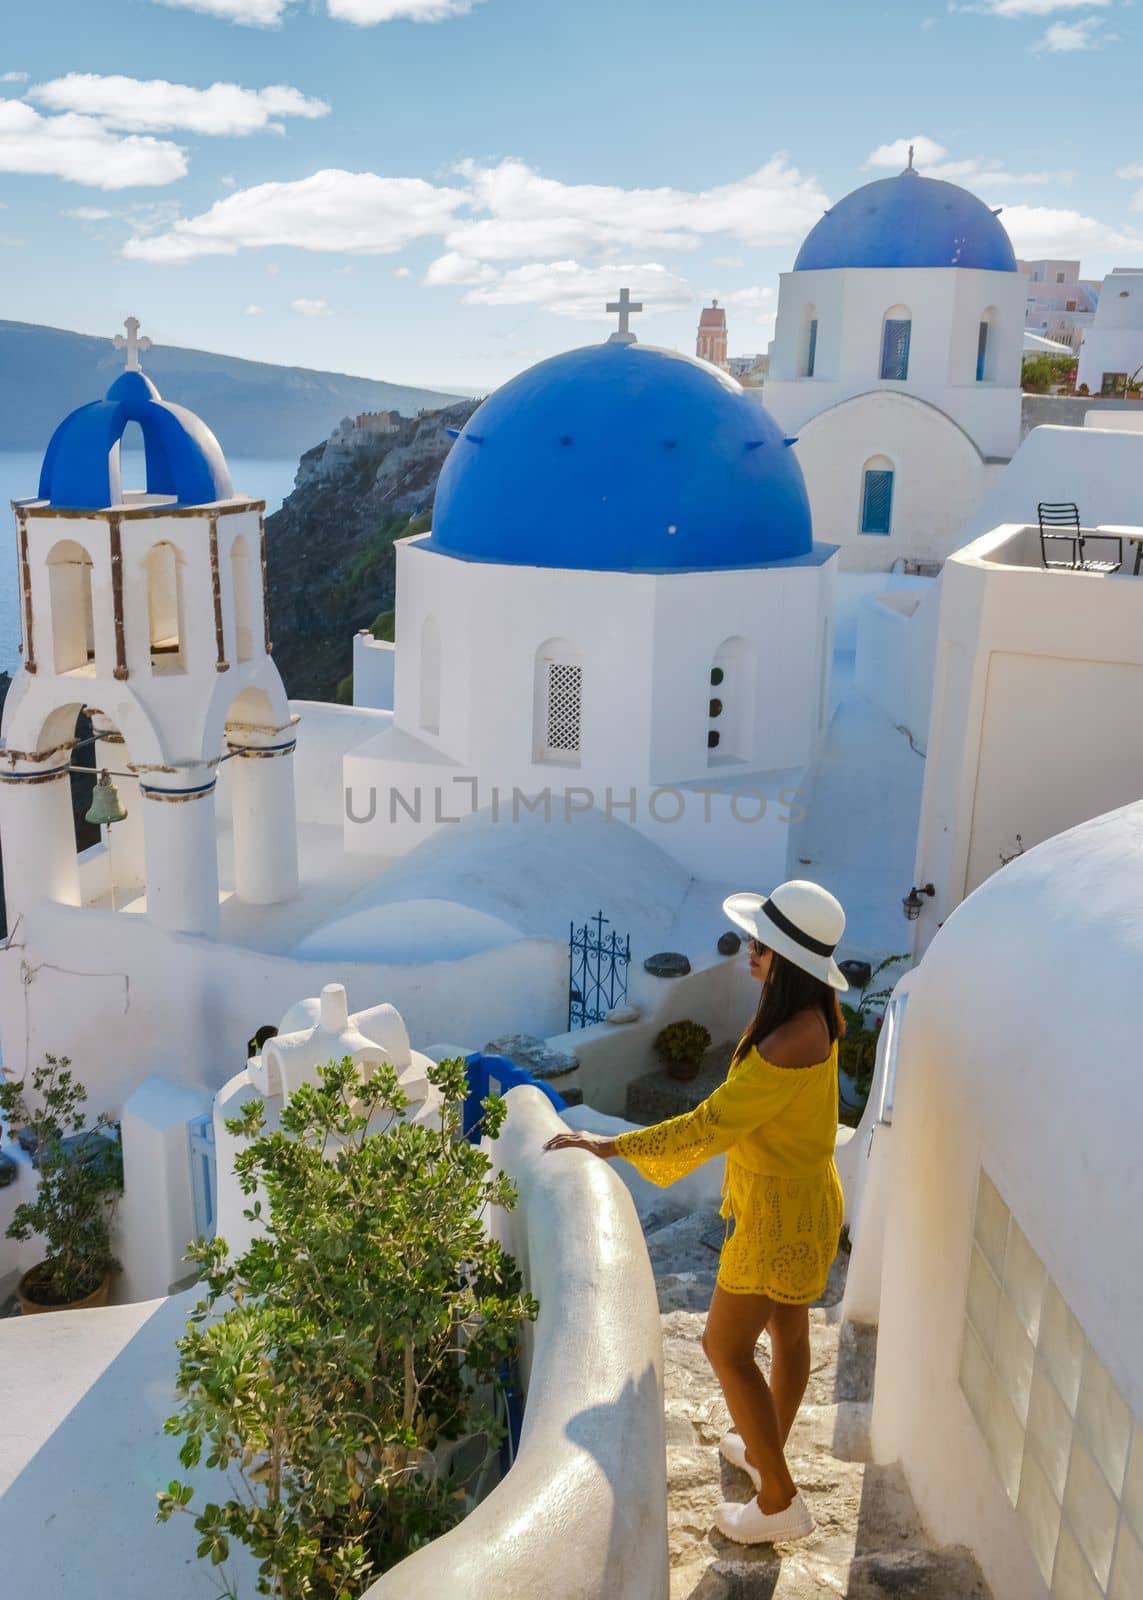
[[443, 191]]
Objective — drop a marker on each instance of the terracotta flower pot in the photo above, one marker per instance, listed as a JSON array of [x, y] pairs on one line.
[[683, 1071], [31, 1307]]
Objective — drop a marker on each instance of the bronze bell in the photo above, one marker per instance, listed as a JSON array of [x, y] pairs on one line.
[[105, 804]]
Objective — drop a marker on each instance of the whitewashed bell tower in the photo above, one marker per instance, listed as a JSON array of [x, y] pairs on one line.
[[146, 609]]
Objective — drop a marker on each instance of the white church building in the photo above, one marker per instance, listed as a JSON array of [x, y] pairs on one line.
[[620, 608], [896, 361]]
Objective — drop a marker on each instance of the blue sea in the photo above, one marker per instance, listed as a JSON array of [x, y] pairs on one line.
[[267, 480]]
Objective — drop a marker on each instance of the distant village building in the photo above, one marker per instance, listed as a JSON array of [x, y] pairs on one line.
[[749, 370], [1111, 360], [711, 344], [1059, 304], [379, 422]]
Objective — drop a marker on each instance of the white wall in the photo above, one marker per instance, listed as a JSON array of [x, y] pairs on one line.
[[374, 667], [896, 654], [947, 307], [647, 644], [1019, 1058], [124, 999], [1036, 679], [1097, 469], [939, 477], [1114, 341]]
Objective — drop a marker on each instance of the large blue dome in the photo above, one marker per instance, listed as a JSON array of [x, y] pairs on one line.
[[622, 458], [908, 221], [184, 460]]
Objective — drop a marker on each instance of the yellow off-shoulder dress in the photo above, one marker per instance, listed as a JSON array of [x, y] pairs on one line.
[[778, 1126]]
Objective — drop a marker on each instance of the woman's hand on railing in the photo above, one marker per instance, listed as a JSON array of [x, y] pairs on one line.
[[597, 1143]]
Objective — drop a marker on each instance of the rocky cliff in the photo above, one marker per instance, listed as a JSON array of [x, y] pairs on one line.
[[330, 547]]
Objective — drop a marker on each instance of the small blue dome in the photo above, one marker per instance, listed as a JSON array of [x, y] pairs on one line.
[[622, 458], [184, 459], [908, 221]]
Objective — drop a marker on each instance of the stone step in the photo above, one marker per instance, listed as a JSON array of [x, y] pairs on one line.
[[868, 1543]]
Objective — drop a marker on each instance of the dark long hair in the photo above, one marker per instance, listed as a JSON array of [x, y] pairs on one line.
[[788, 990]]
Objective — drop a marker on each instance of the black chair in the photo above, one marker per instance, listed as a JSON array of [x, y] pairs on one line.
[[1059, 519]]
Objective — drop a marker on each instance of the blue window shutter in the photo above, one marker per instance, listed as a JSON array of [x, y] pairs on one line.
[[895, 350], [877, 502], [981, 352], [811, 354]]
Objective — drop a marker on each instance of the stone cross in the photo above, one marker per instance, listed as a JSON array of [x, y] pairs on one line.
[[132, 344], [626, 307]]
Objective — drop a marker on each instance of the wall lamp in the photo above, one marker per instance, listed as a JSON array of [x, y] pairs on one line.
[[912, 903]]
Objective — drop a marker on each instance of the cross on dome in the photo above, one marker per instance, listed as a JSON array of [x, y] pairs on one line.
[[626, 308], [132, 344], [911, 167]]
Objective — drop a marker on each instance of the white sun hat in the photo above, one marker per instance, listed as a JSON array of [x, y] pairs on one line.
[[801, 921]]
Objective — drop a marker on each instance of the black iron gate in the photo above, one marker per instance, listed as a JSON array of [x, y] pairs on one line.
[[597, 971]]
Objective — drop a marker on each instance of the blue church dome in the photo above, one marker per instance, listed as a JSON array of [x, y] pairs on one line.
[[622, 458], [184, 460], [908, 221]]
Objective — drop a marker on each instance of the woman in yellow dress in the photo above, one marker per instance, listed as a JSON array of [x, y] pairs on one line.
[[775, 1116]]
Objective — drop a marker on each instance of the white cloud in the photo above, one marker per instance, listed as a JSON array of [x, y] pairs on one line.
[[152, 105], [974, 173], [454, 268], [401, 272], [13, 77], [1045, 231], [1065, 37], [254, 311], [1028, 8], [82, 150], [251, 13], [570, 289], [926, 152], [89, 214], [311, 308], [367, 12], [330, 211], [536, 216], [729, 261], [752, 299], [364, 13]]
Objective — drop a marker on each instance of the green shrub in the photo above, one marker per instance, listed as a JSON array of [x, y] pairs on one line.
[[81, 1179], [366, 1325], [857, 1049], [682, 1044]]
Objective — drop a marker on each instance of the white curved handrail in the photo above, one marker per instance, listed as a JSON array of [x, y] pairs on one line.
[[582, 1513]]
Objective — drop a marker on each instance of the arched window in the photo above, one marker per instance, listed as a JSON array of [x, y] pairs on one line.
[[985, 363], [240, 588], [877, 495], [69, 593], [729, 707], [558, 714], [895, 336], [165, 617], [430, 676], [810, 341]]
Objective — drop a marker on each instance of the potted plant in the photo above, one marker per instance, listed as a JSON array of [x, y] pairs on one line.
[[680, 1047], [857, 1047], [333, 1364], [81, 1177]]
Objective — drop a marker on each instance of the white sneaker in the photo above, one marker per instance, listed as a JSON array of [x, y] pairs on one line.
[[749, 1524], [733, 1449]]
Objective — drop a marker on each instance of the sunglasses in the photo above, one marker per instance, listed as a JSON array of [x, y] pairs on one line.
[[757, 948]]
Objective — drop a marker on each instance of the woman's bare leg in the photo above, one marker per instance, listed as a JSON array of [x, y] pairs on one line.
[[790, 1362], [733, 1326]]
